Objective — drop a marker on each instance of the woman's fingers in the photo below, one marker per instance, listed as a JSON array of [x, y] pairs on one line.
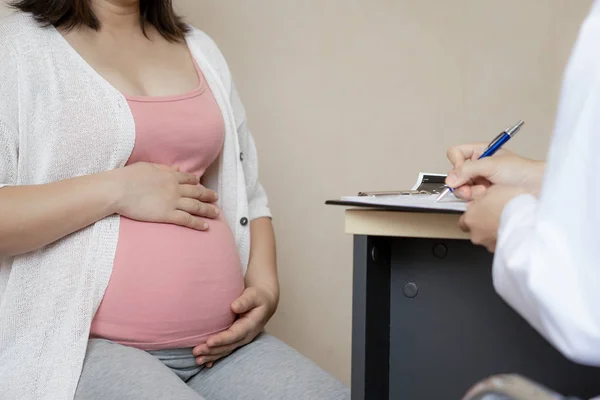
[[208, 196], [186, 178], [182, 218], [209, 361], [198, 192], [198, 208], [220, 350]]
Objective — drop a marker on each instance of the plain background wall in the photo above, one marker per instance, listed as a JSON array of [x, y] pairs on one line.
[[349, 95]]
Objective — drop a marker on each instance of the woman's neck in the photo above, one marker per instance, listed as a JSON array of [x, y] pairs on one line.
[[117, 15]]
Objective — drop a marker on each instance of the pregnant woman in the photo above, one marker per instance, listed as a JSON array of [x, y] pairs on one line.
[[137, 255]]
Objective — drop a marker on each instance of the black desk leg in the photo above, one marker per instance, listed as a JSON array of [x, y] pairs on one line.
[[371, 318]]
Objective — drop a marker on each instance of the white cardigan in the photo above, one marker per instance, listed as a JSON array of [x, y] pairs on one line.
[[60, 119]]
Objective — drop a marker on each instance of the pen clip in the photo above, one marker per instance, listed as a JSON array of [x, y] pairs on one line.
[[493, 142]]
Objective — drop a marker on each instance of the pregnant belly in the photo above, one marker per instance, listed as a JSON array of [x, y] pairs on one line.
[[171, 286]]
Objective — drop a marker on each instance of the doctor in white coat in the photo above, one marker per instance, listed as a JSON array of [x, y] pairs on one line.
[[542, 219]]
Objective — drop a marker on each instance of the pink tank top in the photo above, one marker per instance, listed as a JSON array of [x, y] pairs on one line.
[[172, 287]]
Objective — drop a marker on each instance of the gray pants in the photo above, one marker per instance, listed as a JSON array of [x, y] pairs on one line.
[[266, 369]]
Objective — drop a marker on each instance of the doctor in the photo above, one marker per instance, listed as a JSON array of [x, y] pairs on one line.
[[542, 220]]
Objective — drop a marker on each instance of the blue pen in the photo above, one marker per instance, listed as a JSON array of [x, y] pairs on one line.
[[492, 148]]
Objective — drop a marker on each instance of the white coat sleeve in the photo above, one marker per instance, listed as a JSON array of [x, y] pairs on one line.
[[546, 264]]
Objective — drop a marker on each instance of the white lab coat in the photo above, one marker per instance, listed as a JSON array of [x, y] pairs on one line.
[[546, 265]]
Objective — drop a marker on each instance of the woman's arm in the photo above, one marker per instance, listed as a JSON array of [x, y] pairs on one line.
[[32, 217], [35, 216], [262, 268]]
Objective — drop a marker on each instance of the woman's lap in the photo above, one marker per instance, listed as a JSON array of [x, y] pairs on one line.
[[266, 369], [111, 371]]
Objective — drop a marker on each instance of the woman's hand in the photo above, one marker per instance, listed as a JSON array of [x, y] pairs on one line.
[[258, 302], [473, 178], [254, 307], [482, 218], [158, 193]]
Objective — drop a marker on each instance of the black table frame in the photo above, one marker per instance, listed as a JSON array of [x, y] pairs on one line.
[[427, 324]]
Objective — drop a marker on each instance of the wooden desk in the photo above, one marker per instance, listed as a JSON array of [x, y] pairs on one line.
[[427, 323]]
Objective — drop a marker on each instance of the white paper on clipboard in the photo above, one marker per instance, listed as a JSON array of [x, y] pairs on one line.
[[428, 186]]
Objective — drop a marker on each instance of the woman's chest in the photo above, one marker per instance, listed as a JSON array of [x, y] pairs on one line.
[[137, 65], [187, 131]]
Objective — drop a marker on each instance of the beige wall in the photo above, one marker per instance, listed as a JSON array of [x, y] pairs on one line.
[[3, 9], [348, 95]]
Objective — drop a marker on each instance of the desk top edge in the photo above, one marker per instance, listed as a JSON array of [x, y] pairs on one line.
[[378, 222]]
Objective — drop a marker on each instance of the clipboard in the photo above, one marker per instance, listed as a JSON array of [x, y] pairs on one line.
[[395, 193], [421, 198]]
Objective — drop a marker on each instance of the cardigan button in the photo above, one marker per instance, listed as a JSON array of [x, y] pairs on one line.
[[244, 221], [241, 156]]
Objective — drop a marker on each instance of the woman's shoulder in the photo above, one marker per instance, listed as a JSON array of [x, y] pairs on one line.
[[20, 34], [209, 48], [12, 29], [19, 25], [202, 39]]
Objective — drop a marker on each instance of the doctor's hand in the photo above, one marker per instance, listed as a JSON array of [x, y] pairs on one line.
[[482, 218], [254, 309], [472, 177]]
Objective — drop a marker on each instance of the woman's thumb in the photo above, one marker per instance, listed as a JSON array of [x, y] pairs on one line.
[[245, 302]]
